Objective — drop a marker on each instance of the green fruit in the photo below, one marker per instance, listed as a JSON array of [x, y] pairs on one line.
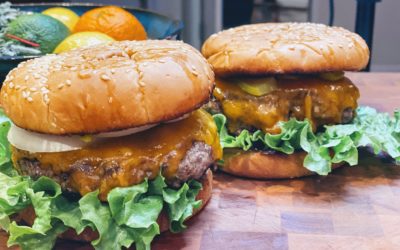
[[38, 28]]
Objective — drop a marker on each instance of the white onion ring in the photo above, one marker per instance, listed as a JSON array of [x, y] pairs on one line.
[[36, 142], [40, 143], [124, 132], [179, 118]]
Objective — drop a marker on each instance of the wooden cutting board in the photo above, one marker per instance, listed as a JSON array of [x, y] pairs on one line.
[[352, 208]]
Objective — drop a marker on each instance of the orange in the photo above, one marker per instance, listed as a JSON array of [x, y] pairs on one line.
[[113, 21]]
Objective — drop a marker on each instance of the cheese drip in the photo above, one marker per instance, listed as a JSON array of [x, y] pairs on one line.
[[321, 101]]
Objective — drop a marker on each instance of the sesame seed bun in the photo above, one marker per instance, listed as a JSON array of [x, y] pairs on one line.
[[106, 88], [261, 165], [284, 48]]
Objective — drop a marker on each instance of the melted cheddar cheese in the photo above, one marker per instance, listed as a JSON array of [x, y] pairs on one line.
[[125, 161], [321, 101]]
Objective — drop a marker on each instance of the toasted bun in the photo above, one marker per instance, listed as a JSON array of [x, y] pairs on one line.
[[28, 215], [281, 48], [267, 166], [109, 87]]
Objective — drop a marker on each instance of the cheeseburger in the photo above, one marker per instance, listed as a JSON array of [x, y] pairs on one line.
[[108, 143], [276, 85]]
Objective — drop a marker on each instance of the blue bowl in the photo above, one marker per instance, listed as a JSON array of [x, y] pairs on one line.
[[157, 27]]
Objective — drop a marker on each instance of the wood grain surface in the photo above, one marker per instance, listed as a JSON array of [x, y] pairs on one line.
[[352, 208]]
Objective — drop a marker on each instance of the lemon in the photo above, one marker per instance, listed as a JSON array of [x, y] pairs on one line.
[[82, 39], [64, 15]]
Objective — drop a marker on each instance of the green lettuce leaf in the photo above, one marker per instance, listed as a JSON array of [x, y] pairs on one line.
[[338, 143], [28, 238], [181, 203], [5, 151], [13, 196], [128, 217]]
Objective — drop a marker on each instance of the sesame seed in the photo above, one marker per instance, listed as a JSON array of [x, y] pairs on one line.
[[17, 87], [24, 94], [68, 82], [84, 74], [74, 68], [26, 78], [36, 76], [105, 77], [33, 89], [11, 85], [60, 86], [29, 99], [162, 61], [194, 72], [44, 90], [112, 71], [46, 99], [110, 99]]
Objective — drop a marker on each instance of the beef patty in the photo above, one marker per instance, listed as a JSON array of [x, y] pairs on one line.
[[194, 164], [322, 102], [181, 150]]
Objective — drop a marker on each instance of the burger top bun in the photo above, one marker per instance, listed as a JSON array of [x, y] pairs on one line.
[[284, 48], [105, 88]]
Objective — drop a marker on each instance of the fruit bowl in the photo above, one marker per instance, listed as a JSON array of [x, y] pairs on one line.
[[157, 26]]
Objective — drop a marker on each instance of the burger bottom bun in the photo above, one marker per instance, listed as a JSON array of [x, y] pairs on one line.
[[28, 215], [261, 165]]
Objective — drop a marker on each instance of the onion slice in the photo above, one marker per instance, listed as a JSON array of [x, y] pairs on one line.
[[124, 132], [41, 143], [179, 118], [36, 142]]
